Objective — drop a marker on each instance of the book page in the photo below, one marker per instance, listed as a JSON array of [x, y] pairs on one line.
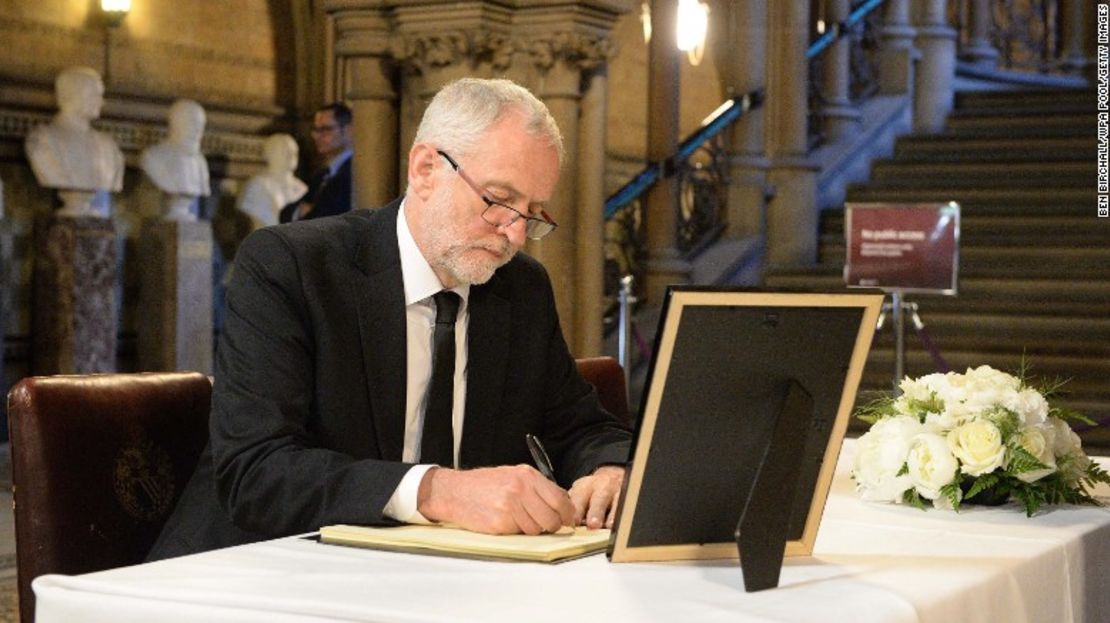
[[545, 547]]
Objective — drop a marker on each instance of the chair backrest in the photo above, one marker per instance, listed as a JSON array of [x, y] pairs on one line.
[[98, 463], [607, 375]]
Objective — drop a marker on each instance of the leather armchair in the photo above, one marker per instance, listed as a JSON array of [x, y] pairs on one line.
[[98, 463], [607, 375]]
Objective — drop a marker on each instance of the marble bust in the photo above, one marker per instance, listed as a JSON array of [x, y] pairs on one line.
[[68, 154], [268, 192], [175, 165]]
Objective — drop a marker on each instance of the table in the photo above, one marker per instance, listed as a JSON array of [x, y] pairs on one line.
[[881, 563]]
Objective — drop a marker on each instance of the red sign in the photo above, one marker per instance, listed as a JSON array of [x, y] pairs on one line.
[[912, 247]]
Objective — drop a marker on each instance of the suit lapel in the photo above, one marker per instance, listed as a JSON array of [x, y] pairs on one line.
[[379, 292], [487, 356]]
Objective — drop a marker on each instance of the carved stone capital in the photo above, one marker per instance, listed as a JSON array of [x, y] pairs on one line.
[[580, 51], [417, 53]]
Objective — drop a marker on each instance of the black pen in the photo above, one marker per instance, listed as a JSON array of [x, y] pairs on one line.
[[539, 455]]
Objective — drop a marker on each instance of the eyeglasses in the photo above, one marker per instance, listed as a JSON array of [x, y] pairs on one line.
[[501, 215]]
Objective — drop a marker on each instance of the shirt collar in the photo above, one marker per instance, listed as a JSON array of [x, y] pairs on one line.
[[339, 160], [419, 279]]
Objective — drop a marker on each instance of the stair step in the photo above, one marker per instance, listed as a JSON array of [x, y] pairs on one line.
[[832, 220], [983, 175], [1009, 200], [1000, 332], [989, 230], [1064, 262], [1086, 377], [994, 149], [974, 132], [1047, 99], [976, 295], [1003, 233], [988, 119]]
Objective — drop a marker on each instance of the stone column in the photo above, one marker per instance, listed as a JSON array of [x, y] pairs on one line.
[[590, 234], [742, 58], [897, 54], [660, 208], [1077, 26], [175, 296], [373, 102], [362, 74], [75, 317], [840, 117], [560, 90], [565, 69], [933, 93], [792, 213], [979, 49]]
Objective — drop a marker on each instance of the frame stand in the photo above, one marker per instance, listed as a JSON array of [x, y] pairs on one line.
[[761, 533]]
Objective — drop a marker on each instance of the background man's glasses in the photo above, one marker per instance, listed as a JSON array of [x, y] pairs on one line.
[[500, 215]]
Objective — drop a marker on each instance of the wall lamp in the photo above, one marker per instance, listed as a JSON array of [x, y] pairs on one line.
[[690, 29], [114, 11]]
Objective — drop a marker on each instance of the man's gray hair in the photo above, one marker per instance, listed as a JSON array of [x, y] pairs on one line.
[[463, 110]]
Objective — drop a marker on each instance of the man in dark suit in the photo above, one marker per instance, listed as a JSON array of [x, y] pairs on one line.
[[329, 188], [325, 401]]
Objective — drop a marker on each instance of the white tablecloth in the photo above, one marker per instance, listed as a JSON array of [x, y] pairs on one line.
[[871, 563]]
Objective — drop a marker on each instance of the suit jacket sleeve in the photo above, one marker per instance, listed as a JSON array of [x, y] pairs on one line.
[[274, 474], [576, 429]]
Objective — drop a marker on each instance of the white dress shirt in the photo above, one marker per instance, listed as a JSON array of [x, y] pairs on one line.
[[420, 316]]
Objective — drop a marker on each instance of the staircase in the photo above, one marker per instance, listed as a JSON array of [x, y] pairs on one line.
[[1034, 258]]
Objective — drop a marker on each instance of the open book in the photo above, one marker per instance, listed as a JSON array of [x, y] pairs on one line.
[[451, 541]]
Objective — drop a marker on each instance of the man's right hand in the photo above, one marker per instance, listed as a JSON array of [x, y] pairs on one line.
[[495, 500]]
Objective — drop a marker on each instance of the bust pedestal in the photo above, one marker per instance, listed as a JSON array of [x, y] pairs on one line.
[[180, 208], [77, 203], [75, 317], [175, 299]]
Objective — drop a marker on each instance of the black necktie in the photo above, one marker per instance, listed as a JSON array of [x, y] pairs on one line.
[[437, 444]]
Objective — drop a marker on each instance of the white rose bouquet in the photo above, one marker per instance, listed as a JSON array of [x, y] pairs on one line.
[[979, 437]]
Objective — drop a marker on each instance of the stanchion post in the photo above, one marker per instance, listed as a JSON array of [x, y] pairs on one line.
[[899, 337], [624, 328]]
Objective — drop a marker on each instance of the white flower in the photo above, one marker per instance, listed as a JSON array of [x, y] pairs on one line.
[[987, 388], [931, 465], [978, 446], [1030, 406], [1065, 441], [1038, 442], [1074, 466], [920, 389], [1068, 450], [880, 455], [941, 423]]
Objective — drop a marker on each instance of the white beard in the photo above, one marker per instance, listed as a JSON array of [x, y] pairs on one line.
[[463, 262]]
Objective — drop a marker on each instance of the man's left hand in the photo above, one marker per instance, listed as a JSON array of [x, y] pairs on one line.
[[595, 497]]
